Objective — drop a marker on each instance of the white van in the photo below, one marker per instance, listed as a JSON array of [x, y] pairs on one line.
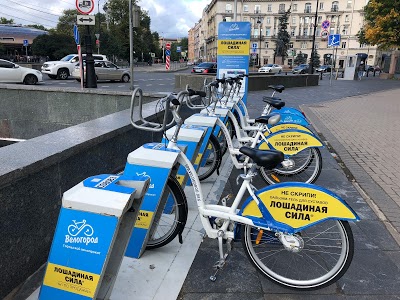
[[63, 68]]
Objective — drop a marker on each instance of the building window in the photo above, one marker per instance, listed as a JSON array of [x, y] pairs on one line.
[[319, 19], [228, 19], [307, 8], [343, 45], [281, 8], [305, 31], [335, 6], [316, 45], [347, 18], [294, 7], [332, 30], [345, 30], [266, 45], [334, 19], [321, 5], [256, 30], [306, 20], [303, 45], [293, 31], [318, 31], [293, 20], [228, 8], [349, 3], [268, 31], [257, 9], [245, 19], [245, 8], [290, 45], [268, 20], [269, 7]]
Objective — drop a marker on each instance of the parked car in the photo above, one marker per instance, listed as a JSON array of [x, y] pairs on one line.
[[63, 68], [205, 68], [323, 68], [270, 68], [13, 73], [301, 69], [105, 70]]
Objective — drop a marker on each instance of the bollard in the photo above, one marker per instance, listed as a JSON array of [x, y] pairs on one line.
[[320, 77]]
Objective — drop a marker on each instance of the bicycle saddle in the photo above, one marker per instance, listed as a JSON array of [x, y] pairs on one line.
[[264, 119], [274, 102], [264, 158], [279, 88]]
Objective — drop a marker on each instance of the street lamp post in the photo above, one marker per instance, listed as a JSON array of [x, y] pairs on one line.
[[259, 22], [311, 68]]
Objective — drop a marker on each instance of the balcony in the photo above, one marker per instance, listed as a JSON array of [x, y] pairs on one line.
[[334, 8], [304, 37], [281, 11], [307, 10]]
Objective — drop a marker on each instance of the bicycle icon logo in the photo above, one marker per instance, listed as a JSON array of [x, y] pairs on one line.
[[78, 227]]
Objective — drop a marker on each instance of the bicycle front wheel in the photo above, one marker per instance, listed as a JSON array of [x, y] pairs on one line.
[[172, 217], [211, 159], [304, 166], [326, 255]]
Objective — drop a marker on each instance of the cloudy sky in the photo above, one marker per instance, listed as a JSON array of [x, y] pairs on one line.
[[169, 18]]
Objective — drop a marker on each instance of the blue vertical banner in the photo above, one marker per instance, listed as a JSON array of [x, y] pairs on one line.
[[234, 51]]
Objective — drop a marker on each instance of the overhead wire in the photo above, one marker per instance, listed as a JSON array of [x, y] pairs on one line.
[[3, 13], [52, 21], [26, 6]]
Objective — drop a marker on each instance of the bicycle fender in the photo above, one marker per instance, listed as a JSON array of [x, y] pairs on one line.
[[291, 110], [290, 141], [294, 206], [292, 118]]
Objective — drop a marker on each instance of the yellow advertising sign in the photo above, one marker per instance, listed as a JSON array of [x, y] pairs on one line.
[[144, 219], [292, 143], [233, 47], [71, 280], [299, 206], [286, 126]]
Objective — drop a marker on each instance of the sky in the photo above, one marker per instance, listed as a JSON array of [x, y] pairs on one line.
[[171, 19]]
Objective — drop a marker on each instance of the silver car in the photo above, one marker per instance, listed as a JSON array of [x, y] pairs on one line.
[[105, 70], [270, 68]]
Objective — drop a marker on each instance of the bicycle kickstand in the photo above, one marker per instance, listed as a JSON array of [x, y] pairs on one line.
[[222, 257]]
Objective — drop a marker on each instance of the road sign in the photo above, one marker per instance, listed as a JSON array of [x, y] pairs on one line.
[[85, 20], [254, 55], [254, 46], [325, 24], [178, 49], [324, 34], [76, 34], [334, 40], [25, 43], [85, 6], [167, 46], [97, 35], [253, 50], [167, 52]]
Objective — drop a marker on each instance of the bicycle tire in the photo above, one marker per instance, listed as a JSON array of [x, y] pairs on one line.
[[221, 136], [307, 166], [211, 159], [307, 269], [172, 220]]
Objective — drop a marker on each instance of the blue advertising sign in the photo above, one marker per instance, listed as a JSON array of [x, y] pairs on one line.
[[234, 51], [76, 34]]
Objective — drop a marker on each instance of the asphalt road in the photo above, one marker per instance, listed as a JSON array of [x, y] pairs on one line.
[[147, 81]]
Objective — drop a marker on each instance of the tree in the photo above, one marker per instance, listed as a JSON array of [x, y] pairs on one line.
[[66, 22], [315, 60], [6, 21], [283, 38], [54, 45], [41, 27], [300, 59], [382, 25]]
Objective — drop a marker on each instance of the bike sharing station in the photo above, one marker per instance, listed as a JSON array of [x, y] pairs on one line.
[[107, 217]]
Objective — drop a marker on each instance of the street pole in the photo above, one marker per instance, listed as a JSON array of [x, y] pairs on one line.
[[91, 81], [235, 11], [98, 14], [311, 68]]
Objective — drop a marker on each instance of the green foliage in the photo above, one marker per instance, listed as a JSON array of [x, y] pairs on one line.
[[300, 59], [315, 60], [41, 27], [283, 38], [382, 26], [66, 22], [54, 45], [6, 21], [2, 50]]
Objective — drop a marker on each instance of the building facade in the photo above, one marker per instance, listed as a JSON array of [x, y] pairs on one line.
[[345, 17]]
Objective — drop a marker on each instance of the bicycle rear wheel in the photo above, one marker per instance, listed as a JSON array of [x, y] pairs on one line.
[[222, 138], [211, 159], [326, 255], [305, 167], [172, 217]]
